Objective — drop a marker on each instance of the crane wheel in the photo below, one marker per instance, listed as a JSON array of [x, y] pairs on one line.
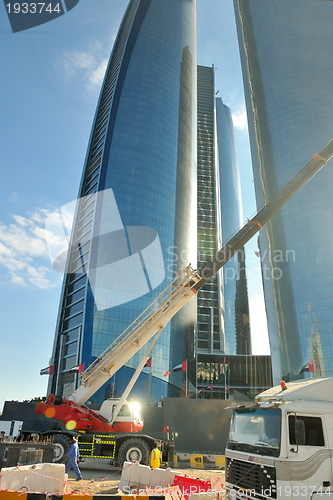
[[62, 444], [134, 450]]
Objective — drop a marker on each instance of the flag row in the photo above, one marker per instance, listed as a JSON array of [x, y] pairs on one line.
[[50, 369]]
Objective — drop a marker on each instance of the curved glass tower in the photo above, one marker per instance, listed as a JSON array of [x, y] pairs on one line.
[[287, 64], [141, 161], [236, 304]]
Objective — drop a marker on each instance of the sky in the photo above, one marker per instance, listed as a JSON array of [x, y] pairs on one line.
[[50, 83]]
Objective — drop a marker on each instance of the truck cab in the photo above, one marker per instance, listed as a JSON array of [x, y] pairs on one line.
[[129, 418], [281, 446]]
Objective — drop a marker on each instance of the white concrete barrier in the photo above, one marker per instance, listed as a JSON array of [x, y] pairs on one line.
[[136, 477], [48, 478]]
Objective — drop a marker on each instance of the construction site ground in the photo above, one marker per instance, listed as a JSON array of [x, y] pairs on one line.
[[101, 478]]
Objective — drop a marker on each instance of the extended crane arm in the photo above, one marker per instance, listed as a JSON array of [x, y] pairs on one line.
[[252, 226], [137, 334], [184, 287]]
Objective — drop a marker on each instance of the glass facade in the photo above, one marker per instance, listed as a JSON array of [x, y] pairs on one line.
[[236, 304], [233, 377], [143, 148], [223, 311], [210, 328], [287, 65]]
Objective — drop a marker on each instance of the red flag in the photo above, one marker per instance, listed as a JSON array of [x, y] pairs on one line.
[[148, 363], [181, 367], [78, 368], [211, 386], [166, 373], [47, 371], [308, 367]]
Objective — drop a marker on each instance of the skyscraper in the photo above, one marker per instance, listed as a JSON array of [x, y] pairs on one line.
[[236, 304], [210, 328], [223, 311], [287, 66], [142, 155]]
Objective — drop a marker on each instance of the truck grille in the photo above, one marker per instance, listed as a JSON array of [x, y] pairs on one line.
[[251, 476]]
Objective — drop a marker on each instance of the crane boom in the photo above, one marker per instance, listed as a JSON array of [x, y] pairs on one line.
[[185, 286], [137, 334], [253, 225]]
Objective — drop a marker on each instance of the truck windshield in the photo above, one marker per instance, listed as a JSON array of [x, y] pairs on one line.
[[255, 430]]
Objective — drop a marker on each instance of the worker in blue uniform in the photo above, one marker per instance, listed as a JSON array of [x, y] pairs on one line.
[[73, 458]]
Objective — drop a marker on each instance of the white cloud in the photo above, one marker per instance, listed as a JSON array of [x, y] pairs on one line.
[[21, 221], [40, 215], [96, 78], [89, 64], [18, 280], [4, 251], [239, 119], [38, 277], [23, 251]]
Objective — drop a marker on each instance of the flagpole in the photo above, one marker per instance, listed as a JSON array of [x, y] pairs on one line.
[[186, 381], [149, 386]]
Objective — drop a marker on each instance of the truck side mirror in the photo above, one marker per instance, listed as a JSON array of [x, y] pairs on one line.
[[300, 432]]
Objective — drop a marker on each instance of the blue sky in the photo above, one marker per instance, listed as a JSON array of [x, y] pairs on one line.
[[51, 77]]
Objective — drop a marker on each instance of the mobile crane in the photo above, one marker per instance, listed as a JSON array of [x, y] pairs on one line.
[[101, 433]]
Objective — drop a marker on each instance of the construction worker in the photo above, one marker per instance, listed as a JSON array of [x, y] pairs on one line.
[[73, 458], [155, 457]]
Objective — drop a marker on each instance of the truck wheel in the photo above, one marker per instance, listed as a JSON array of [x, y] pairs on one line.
[[62, 444], [134, 450]]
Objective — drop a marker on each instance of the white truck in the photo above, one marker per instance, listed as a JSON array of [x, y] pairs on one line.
[[281, 446]]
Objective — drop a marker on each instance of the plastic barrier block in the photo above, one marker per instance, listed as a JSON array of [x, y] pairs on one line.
[[190, 485], [197, 462], [134, 476], [49, 478], [216, 484], [161, 477], [220, 462], [138, 477]]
